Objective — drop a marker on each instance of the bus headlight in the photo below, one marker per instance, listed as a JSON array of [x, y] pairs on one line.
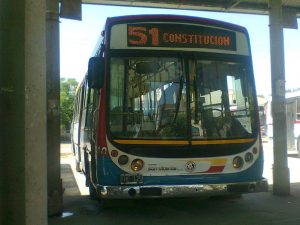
[[123, 160], [238, 162], [254, 150], [248, 157], [137, 165]]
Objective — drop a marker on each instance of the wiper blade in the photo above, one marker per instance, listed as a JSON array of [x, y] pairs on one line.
[[179, 98], [196, 101]]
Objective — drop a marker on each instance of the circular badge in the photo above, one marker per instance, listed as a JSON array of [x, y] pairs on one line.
[[190, 166]]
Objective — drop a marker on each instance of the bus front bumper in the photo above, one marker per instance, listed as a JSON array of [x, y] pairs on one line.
[[172, 191]]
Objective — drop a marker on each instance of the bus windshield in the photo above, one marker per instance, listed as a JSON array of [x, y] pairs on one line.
[[179, 98]]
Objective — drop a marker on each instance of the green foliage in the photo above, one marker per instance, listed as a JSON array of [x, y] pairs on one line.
[[67, 96]]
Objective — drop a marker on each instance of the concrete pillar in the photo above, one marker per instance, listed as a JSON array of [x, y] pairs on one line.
[[23, 160], [55, 205], [281, 179]]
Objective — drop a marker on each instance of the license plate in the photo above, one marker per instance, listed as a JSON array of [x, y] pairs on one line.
[[131, 179]]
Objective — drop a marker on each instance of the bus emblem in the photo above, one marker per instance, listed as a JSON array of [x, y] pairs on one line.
[[190, 166]]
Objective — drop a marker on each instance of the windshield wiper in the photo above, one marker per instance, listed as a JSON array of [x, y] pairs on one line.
[[196, 101], [179, 98]]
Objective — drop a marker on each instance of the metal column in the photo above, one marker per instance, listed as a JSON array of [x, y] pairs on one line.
[[53, 117], [281, 179]]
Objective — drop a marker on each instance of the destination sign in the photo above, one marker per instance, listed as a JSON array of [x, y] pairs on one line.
[[180, 36]]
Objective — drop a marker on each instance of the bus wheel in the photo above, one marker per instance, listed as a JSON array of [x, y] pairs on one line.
[[93, 191]]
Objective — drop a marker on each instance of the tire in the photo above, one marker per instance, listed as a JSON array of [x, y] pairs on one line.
[[93, 192], [102, 203]]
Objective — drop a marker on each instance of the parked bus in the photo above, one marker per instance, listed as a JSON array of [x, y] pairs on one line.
[[292, 101], [168, 108]]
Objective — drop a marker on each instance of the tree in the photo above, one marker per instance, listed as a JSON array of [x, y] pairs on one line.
[[67, 96]]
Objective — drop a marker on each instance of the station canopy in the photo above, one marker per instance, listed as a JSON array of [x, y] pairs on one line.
[[290, 7]]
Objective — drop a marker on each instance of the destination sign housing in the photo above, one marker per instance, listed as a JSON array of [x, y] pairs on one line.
[[172, 36], [179, 36]]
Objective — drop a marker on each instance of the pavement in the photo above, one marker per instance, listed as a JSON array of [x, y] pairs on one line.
[[249, 209]]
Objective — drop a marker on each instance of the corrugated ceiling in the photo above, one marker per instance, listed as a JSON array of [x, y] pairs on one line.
[[239, 6]]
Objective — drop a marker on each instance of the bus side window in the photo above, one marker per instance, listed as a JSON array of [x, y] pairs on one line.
[[94, 112], [83, 106], [91, 107]]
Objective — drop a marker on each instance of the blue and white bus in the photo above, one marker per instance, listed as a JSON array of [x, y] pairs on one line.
[[168, 108]]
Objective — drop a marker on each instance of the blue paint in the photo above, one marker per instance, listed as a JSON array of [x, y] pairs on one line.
[[109, 174]]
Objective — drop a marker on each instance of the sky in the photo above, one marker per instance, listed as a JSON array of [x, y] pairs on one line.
[[78, 38]]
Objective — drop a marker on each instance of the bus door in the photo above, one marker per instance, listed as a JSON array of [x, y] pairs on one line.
[[89, 135]]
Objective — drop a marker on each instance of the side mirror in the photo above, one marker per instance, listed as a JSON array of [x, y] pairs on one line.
[[95, 72]]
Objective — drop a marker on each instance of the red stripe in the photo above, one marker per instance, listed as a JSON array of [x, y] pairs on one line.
[[215, 169]]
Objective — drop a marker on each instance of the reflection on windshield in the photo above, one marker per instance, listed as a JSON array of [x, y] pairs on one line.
[[220, 102], [149, 99]]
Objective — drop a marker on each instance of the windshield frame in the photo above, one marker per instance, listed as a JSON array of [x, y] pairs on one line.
[[234, 105], [184, 56]]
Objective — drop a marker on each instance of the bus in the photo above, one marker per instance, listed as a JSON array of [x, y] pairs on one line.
[[168, 108], [292, 104]]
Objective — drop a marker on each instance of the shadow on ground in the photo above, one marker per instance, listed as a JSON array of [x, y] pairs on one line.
[[249, 209]]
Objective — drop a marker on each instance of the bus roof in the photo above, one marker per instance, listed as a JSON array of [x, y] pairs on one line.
[[176, 18]]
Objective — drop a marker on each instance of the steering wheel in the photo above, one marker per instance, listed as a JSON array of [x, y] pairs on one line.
[[214, 109], [211, 122]]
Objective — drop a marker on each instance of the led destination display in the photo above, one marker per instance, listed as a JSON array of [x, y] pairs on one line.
[[178, 35]]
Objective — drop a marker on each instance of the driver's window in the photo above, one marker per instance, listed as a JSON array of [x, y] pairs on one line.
[[147, 98], [219, 107]]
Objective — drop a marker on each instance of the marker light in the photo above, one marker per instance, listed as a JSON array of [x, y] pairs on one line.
[[114, 153], [238, 162], [254, 150], [248, 157], [137, 165], [123, 160]]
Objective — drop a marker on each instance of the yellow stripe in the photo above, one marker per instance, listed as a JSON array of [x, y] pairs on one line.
[[220, 142], [165, 142], [218, 162]]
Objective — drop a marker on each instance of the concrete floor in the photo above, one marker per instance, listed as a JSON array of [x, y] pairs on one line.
[[250, 209]]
